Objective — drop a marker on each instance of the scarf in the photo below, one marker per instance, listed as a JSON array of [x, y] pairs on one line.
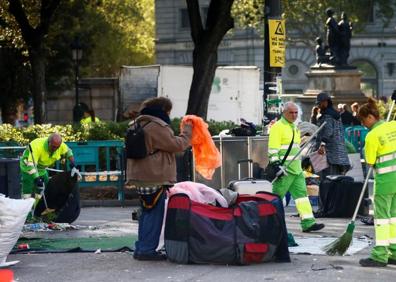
[[156, 112]]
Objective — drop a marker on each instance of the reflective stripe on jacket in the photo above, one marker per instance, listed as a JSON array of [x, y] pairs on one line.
[[280, 136]]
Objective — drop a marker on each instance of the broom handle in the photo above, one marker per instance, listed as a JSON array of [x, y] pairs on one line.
[[302, 148], [369, 172], [362, 193]]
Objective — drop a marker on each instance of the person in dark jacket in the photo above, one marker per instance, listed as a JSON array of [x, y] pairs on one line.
[[347, 118], [330, 140], [155, 172]]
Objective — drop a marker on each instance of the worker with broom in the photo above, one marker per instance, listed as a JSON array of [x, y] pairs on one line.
[[40, 154], [380, 153], [284, 140]]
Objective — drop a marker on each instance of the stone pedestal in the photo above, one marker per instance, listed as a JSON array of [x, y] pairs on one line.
[[343, 85]]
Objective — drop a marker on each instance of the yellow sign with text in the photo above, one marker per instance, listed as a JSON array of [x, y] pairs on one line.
[[277, 37]]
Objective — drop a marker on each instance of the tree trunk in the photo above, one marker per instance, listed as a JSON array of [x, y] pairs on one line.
[[206, 41], [204, 65], [34, 35], [37, 61], [8, 112]]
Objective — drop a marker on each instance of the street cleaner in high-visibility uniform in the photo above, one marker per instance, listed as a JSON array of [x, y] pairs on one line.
[[380, 153], [291, 179], [40, 154]]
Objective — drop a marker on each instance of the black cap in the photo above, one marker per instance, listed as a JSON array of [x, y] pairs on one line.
[[322, 96]]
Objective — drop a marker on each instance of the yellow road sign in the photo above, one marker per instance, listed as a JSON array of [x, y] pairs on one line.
[[277, 37]]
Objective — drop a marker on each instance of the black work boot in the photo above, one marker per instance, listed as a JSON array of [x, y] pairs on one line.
[[368, 262], [314, 227]]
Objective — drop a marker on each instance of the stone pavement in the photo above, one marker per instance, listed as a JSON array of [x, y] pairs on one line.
[[122, 267]]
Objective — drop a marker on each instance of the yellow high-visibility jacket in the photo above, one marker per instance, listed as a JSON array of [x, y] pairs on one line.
[[380, 152], [280, 136], [42, 157]]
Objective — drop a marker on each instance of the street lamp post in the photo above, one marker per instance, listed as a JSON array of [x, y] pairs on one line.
[[77, 55]]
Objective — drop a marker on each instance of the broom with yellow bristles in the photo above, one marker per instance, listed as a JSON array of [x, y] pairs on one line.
[[341, 245]]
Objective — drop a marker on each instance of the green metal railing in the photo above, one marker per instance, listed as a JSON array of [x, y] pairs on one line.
[[101, 163], [356, 135]]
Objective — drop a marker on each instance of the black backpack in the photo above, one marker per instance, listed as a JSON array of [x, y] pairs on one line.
[[135, 144]]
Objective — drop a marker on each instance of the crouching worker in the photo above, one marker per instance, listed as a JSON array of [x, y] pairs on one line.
[[284, 134], [40, 154], [154, 171]]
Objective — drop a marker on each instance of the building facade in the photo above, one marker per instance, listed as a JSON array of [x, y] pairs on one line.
[[372, 51]]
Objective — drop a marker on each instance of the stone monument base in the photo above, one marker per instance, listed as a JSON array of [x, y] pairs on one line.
[[342, 83]]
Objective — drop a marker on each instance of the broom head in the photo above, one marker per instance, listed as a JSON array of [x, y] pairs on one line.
[[341, 245]]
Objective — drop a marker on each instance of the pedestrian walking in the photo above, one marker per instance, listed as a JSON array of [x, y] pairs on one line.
[[284, 134], [331, 140]]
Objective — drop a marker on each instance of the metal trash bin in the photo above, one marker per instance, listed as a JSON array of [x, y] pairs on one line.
[[10, 178]]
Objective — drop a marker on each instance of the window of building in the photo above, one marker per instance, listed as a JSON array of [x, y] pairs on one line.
[[184, 19], [370, 12], [369, 82], [293, 69]]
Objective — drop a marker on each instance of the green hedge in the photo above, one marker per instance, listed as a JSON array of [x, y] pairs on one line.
[[94, 131]]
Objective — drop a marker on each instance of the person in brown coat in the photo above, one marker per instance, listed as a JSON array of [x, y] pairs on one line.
[[156, 172]]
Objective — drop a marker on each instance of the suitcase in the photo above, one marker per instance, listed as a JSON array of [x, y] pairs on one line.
[[249, 185], [338, 197]]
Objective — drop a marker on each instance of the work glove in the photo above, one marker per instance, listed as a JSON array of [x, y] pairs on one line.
[[39, 181], [75, 171], [281, 171]]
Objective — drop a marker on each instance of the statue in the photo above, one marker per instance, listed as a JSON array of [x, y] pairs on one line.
[[345, 29], [321, 52], [338, 40], [333, 36]]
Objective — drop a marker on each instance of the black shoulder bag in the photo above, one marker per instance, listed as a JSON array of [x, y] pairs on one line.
[[272, 168]]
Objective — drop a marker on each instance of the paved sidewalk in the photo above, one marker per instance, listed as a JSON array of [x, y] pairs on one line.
[[122, 267]]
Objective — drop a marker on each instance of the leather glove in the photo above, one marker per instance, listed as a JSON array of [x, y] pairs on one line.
[[39, 181], [75, 171], [393, 97]]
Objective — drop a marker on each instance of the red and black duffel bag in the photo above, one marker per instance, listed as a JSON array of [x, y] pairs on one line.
[[252, 231]]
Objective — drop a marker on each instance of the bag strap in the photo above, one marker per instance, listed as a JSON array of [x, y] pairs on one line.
[[138, 123], [288, 149], [143, 126]]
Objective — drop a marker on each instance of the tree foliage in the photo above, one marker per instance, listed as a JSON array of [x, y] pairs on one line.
[[113, 33], [248, 13]]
